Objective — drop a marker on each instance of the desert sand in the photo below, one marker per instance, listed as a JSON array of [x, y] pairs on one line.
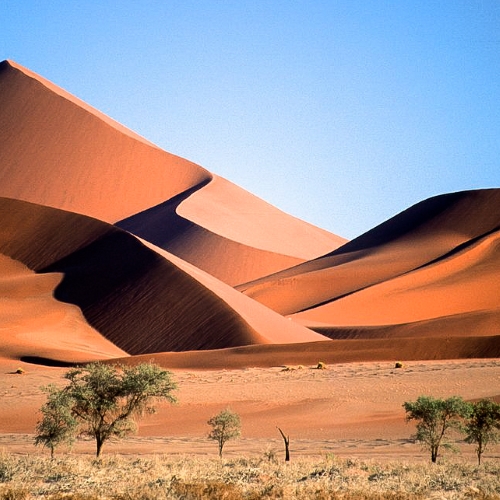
[[349, 409], [114, 250]]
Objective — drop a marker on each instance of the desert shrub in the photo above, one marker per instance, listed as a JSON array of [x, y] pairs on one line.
[[398, 364], [7, 469], [321, 365], [270, 456], [213, 490]]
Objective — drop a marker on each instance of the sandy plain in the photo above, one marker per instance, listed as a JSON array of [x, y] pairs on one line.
[[346, 410]]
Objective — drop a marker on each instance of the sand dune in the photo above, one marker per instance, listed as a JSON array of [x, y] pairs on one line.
[[438, 259], [58, 151], [36, 327], [357, 350], [135, 297], [220, 218], [458, 284]]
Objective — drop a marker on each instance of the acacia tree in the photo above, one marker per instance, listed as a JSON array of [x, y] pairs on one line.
[[435, 417], [225, 425], [58, 424], [483, 425], [105, 399]]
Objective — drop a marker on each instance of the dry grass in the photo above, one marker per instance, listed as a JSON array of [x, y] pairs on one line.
[[74, 477]]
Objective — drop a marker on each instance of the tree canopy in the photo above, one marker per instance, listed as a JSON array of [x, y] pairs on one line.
[[483, 425], [104, 400], [225, 425], [435, 418]]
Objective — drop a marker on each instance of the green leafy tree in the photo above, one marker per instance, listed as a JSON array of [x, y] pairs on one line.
[[58, 424], [225, 425], [106, 399], [435, 418], [483, 425]]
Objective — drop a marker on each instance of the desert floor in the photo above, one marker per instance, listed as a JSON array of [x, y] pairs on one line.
[[348, 410]]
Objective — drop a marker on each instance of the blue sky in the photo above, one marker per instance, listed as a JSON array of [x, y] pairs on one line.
[[342, 113]]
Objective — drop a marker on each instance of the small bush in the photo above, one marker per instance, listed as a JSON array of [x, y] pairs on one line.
[[321, 365], [398, 364]]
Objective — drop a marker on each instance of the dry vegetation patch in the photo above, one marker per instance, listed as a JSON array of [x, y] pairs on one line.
[[159, 477]]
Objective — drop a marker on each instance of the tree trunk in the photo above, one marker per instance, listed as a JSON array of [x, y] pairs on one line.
[[286, 439], [99, 443], [434, 454]]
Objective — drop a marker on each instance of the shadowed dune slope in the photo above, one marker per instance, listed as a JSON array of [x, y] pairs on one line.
[[135, 297], [36, 326], [221, 219], [56, 150], [414, 238]]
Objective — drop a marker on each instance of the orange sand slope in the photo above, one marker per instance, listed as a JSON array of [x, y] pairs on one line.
[[55, 150], [432, 270], [135, 297]]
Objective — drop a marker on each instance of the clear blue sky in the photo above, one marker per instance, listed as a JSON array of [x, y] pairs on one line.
[[342, 113]]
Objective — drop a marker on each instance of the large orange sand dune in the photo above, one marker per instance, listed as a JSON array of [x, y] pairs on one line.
[[134, 296], [58, 151]]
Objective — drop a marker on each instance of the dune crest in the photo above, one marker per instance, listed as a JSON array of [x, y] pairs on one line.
[[60, 152]]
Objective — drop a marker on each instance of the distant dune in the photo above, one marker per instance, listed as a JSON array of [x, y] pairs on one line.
[[433, 270]]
